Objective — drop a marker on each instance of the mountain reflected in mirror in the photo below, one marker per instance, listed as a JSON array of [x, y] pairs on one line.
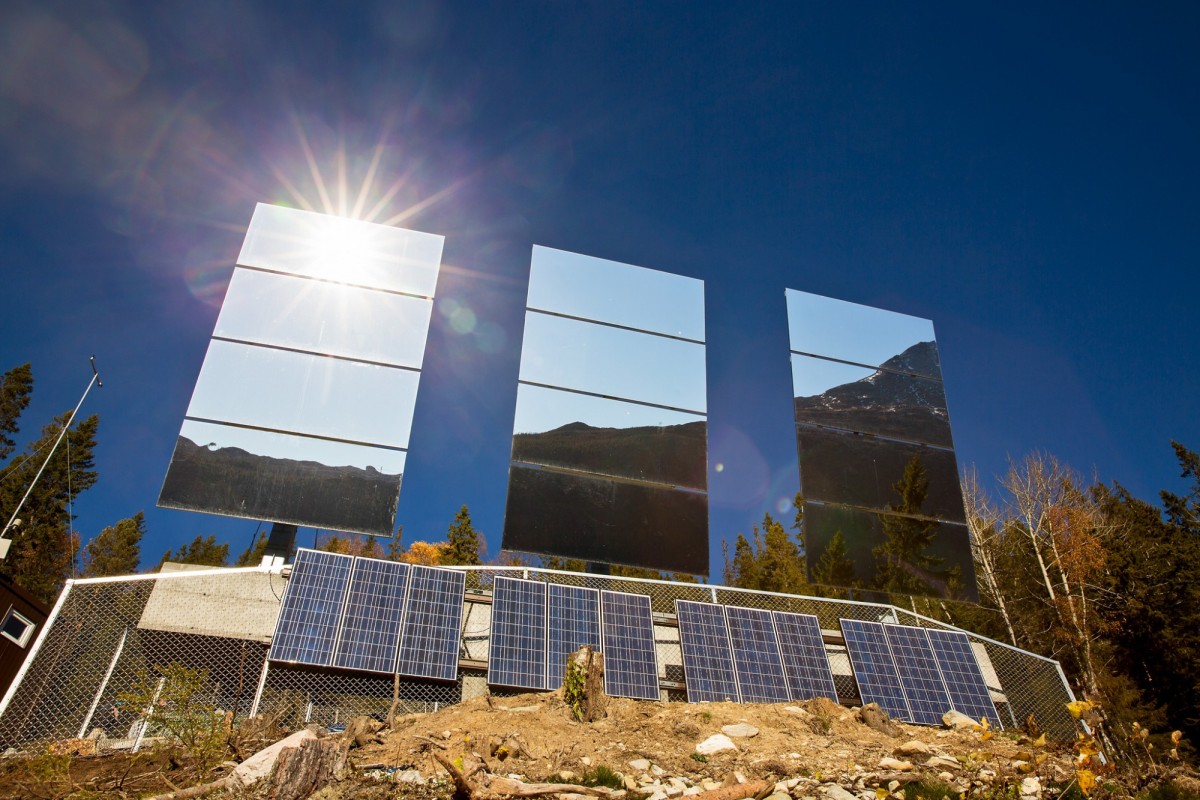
[[609, 437], [273, 477], [886, 402]]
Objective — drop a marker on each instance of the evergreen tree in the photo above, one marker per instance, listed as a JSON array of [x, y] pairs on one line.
[[904, 564], [780, 568], [463, 542], [202, 550], [42, 553], [834, 567], [116, 550], [15, 387], [742, 572], [252, 556]]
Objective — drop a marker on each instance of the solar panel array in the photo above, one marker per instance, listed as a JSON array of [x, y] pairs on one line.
[[370, 615], [751, 655], [707, 653], [574, 621], [627, 637], [517, 648], [917, 674], [805, 662], [964, 679]]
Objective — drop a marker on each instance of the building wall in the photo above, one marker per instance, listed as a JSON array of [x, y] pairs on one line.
[[12, 655]]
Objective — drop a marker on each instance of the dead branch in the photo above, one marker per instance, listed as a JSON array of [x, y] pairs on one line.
[[739, 791]]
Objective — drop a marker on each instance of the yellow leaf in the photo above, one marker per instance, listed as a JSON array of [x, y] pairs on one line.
[[1025, 767], [1080, 707], [1086, 779], [983, 723], [1040, 741], [985, 736], [1176, 737], [1040, 758], [881, 793]]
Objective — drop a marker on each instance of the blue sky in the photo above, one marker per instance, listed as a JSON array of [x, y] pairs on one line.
[[1022, 176]]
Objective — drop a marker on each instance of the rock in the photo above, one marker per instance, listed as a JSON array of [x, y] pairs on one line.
[[708, 784], [892, 763], [804, 712], [985, 775], [779, 796], [943, 762], [792, 784], [673, 791], [566, 776], [876, 718], [835, 792], [657, 771], [630, 783], [677, 783], [410, 776], [691, 790], [640, 764], [1031, 787], [716, 743], [445, 734], [587, 762], [1022, 766], [914, 747], [740, 777], [780, 787], [659, 795], [741, 730], [945, 777], [958, 720], [893, 785]]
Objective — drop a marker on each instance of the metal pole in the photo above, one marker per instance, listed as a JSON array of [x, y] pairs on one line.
[[137, 743], [103, 684], [95, 381], [258, 693]]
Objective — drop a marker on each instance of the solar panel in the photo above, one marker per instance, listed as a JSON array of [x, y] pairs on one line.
[[964, 679], [374, 608], [805, 662], [919, 674], [432, 630], [312, 608], [627, 635], [874, 669], [756, 655], [708, 667], [517, 649], [573, 621]]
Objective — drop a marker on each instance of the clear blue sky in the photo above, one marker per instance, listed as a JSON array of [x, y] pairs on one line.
[[1023, 176]]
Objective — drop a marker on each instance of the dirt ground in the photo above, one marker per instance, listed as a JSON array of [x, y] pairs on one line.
[[533, 738]]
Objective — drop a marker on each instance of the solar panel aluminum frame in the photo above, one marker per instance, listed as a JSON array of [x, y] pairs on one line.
[[295, 584], [612, 653], [867, 673], [802, 683], [709, 677], [506, 673]]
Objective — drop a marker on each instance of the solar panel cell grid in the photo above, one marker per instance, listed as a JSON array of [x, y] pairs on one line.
[[805, 661], [370, 628], [704, 641], [574, 621], [307, 627], [919, 674], [874, 669], [517, 649], [630, 661], [964, 679], [756, 655], [430, 636]]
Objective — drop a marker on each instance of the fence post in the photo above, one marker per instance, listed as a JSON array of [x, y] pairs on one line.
[[37, 646], [103, 684], [262, 682]]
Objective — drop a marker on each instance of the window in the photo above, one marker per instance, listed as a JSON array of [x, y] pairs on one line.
[[17, 627]]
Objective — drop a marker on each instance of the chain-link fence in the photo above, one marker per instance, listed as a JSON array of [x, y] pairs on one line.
[[107, 635]]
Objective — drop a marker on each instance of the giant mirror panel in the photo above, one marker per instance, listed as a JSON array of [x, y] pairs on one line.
[[875, 451], [865, 400], [328, 318], [609, 456], [342, 250], [888, 552], [303, 406], [613, 362], [605, 520], [620, 294], [609, 437], [872, 337], [863, 471]]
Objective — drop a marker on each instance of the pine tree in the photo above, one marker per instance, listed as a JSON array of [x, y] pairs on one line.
[[15, 387], [116, 550], [202, 550], [780, 568], [42, 553], [252, 556], [742, 572], [904, 564], [834, 567], [463, 542]]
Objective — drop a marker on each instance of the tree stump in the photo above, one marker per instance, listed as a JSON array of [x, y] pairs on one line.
[[875, 717], [583, 685], [300, 771]]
